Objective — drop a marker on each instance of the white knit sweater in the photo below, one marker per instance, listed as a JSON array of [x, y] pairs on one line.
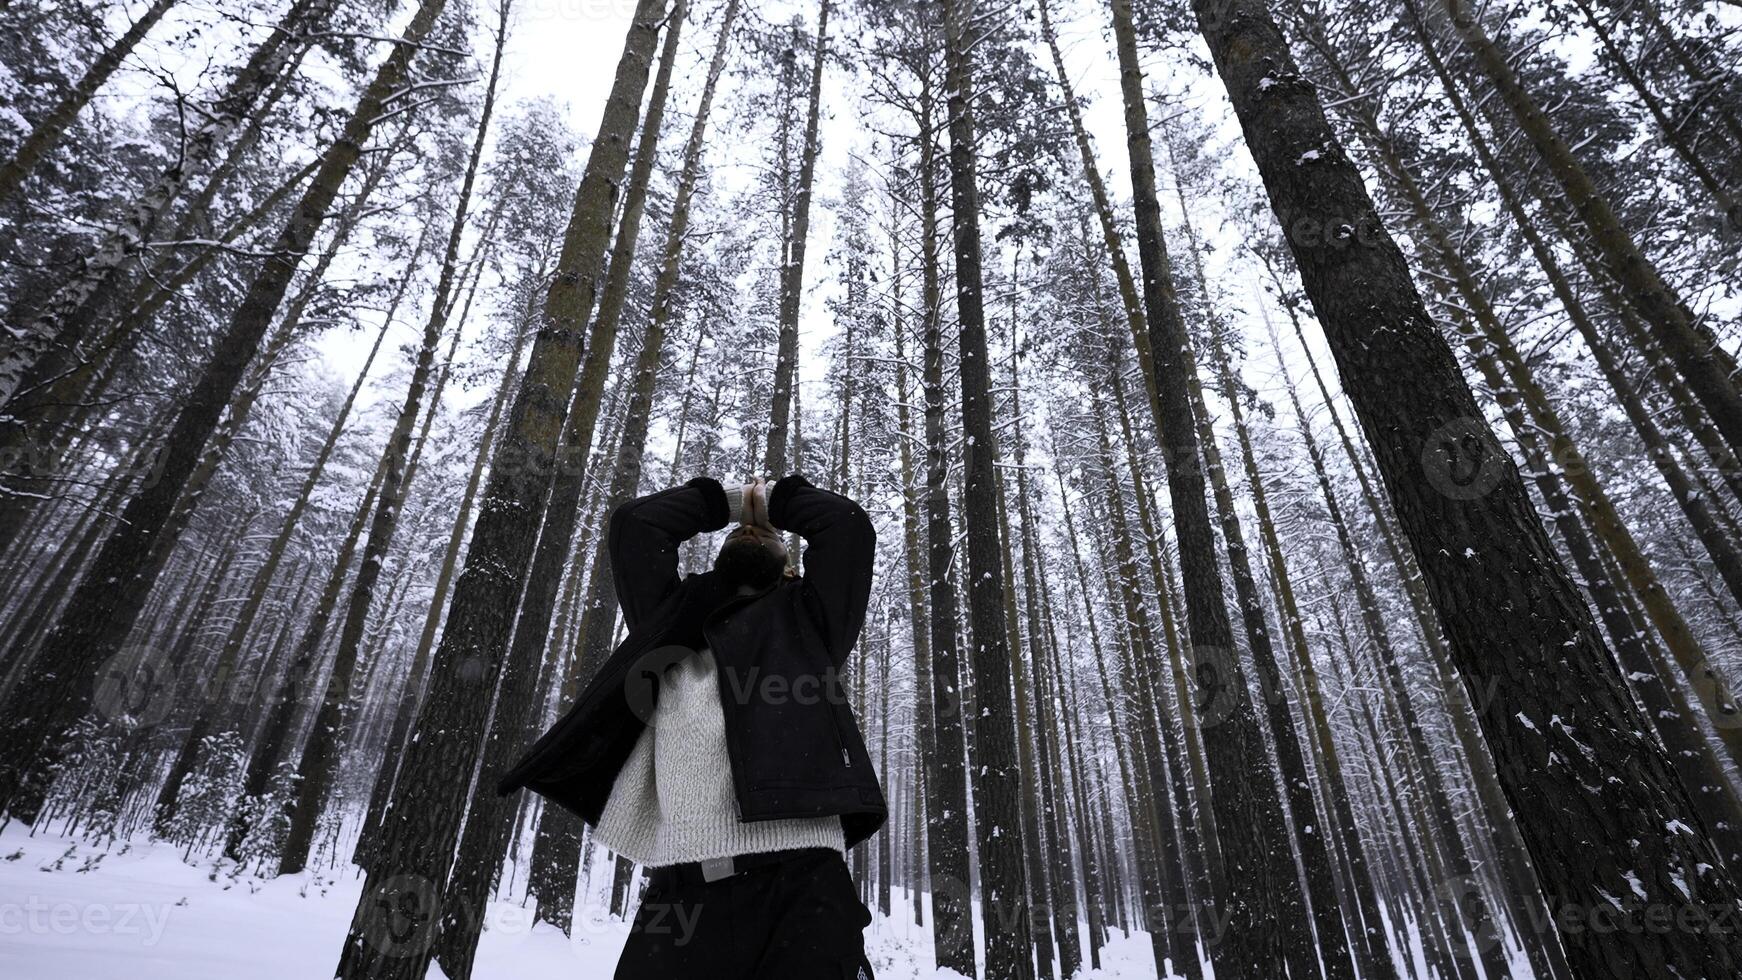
[[673, 801]]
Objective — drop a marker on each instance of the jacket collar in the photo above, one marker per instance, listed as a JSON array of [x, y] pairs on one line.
[[703, 595]]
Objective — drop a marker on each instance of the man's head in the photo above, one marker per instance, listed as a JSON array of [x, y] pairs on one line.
[[753, 556]]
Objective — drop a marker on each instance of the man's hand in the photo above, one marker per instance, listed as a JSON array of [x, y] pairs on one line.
[[754, 509]]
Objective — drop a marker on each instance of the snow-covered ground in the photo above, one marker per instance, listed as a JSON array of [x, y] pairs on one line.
[[70, 911]]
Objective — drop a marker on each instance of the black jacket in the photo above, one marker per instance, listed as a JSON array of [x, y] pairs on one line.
[[794, 747]]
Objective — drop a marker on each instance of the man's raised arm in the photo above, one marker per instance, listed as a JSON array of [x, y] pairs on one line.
[[644, 535], [840, 545]]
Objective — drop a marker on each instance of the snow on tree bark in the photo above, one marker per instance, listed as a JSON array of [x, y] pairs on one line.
[[1559, 719]]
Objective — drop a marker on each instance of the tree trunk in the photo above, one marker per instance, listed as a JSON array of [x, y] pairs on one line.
[[1545, 953], [332, 722], [1372, 954], [1064, 695], [260, 585], [1259, 899], [1509, 608], [1710, 371], [1004, 907], [600, 604], [1035, 823], [59, 328], [775, 456], [1167, 904], [1327, 918], [885, 841], [110, 595], [422, 821], [925, 721], [1197, 830], [484, 841], [46, 133], [1729, 208], [1060, 868], [368, 840], [948, 820]]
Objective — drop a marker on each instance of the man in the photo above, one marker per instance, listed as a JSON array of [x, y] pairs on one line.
[[716, 746]]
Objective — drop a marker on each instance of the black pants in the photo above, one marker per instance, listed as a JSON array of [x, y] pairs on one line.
[[800, 919]]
